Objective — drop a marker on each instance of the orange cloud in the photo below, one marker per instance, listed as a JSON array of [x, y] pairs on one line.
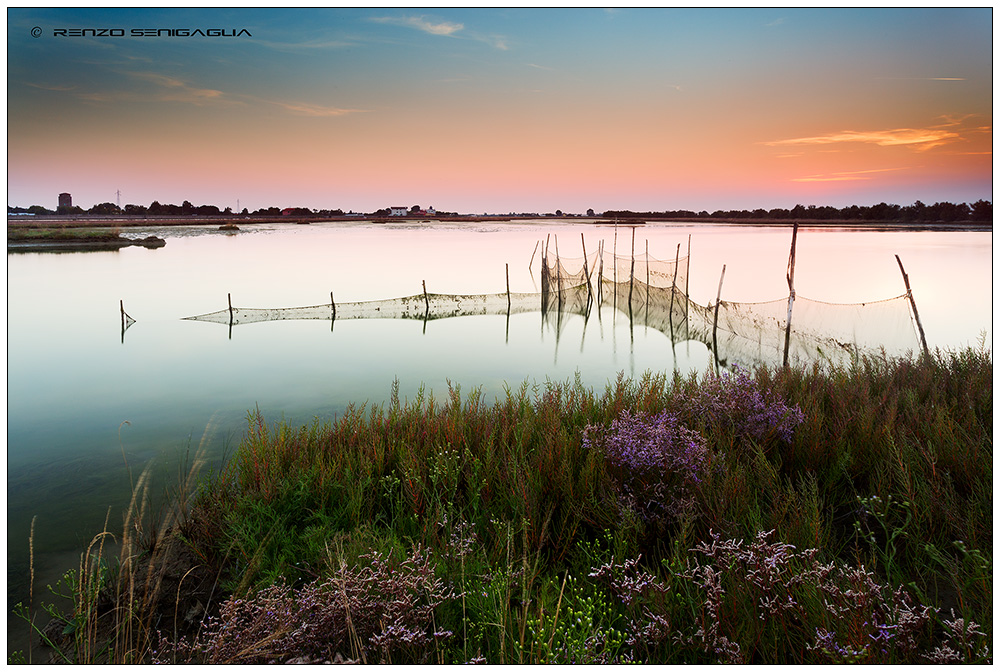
[[920, 138], [844, 176]]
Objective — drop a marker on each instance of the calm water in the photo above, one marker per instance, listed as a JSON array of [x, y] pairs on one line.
[[74, 381]]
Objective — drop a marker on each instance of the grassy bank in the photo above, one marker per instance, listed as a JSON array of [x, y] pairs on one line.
[[772, 516]]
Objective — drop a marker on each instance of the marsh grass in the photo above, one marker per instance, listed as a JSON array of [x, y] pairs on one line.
[[829, 515], [117, 591]]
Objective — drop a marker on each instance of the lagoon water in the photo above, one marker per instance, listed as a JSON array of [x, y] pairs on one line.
[[86, 403]]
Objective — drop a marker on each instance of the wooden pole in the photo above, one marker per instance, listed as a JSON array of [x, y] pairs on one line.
[[427, 302], [673, 285], [715, 321], [545, 276], [647, 279], [631, 272], [533, 255], [333, 307], [586, 272], [507, 270], [600, 273], [229, 297], [790, 275], [559, 277], [913, 304], [687, 278]]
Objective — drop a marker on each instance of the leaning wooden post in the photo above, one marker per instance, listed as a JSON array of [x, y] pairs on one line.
[[533, 255], [791, 293], [913, 304], [427, 302], [121, 304], [229, 297], [586, 272], [715, 321]]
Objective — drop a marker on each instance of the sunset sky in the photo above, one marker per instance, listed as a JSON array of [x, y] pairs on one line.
[[501, 110]]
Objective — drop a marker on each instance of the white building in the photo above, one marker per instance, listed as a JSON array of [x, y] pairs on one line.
[[395, 211]]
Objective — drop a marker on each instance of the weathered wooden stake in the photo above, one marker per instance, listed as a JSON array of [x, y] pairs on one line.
[[507, 270], [230, 298], [913, 304], [586, 273], [533, 255], [687, 278], [333, 307], [791, 293], [427, 302], [631, 272], [715, 320], [673, 286], [558, 272]]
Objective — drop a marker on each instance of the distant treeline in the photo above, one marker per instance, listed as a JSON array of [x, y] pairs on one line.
[[980, 211]]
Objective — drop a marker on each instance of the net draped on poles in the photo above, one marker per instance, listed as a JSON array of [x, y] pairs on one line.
[[654, 293]]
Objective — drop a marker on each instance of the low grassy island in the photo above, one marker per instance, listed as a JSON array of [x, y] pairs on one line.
[[35, 239], [773, 516]]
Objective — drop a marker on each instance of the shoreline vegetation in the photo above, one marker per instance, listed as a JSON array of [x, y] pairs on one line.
[[17, 223], [772, 516]]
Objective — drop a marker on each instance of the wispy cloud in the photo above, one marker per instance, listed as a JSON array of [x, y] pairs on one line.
[[919, 138], [420, 23], [927, 79], [311, 110], [846, 176], [444, 28], [777, 22], [173, 89]]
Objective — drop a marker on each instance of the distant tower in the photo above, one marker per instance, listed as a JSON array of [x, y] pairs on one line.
[[65, 200]]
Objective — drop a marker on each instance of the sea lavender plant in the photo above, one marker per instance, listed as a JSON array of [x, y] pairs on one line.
[[370, 613], [656, 463], [851, 615], [735, 400]]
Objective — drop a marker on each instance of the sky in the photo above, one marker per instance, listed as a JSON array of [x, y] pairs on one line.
[[500, 110]]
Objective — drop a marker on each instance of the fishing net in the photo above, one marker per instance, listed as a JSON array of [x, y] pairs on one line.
[[416, 307], [749, 333], [647, 270]]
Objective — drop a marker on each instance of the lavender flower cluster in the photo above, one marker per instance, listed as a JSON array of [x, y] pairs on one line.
[[736, 400], [656, 462], [366, 614]]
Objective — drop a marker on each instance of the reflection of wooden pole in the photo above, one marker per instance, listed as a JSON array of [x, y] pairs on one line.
[[913, 304], [715, 321], [791, 293]]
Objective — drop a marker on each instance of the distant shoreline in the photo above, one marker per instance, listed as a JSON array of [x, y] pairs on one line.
[[75, 221]]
